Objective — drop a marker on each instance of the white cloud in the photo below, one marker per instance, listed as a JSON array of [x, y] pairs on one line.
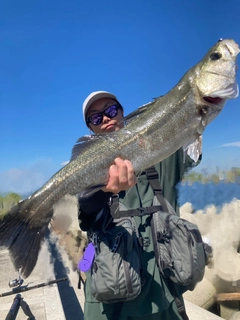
[[28, 179], [232, 144], [64, 163]]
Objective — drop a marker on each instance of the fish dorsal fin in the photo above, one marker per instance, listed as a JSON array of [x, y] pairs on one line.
[[83, 143], [133, 115]]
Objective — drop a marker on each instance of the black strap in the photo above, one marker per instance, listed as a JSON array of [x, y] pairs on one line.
[[116, 213], [180, 306], [80, 280], [152, 177]]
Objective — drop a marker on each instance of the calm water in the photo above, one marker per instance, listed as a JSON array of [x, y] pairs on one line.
[[201, 195]]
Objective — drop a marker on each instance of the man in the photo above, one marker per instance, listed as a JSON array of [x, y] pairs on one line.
[[103, 113]]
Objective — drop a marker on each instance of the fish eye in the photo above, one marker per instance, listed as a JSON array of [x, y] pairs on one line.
[[215, 56]]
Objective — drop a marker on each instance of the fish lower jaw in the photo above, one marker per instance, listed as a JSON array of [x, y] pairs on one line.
[[229, 92]]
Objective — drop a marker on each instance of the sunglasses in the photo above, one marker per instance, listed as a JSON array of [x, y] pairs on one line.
[[97, 118]]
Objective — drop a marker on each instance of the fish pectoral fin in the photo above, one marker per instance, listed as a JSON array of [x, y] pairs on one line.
[[89, 192], [22, 238], [194, 148]]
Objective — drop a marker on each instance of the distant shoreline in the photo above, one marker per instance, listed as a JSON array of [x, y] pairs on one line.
[[201, 194]]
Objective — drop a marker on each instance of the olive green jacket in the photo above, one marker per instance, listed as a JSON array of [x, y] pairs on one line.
[[155, 295]]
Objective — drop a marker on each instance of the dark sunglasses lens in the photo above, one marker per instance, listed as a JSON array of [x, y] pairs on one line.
[[111, 112], [96, 119]]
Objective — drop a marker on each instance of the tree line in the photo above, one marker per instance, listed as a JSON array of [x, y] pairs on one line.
[[232, 176], [7, 201]]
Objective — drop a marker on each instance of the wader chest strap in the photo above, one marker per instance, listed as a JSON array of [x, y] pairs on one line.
[[116, 213], [152, 176]]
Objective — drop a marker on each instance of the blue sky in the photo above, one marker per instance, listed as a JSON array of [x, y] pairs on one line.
[[54, 53]]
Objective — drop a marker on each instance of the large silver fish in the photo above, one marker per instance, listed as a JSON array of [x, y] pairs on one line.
[[156, 131]]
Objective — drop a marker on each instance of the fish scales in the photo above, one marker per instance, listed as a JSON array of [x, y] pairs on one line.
[[155, 132]]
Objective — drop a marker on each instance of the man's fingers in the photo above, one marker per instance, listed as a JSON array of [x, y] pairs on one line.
[[132, 180], [122, 173], [121, 176]]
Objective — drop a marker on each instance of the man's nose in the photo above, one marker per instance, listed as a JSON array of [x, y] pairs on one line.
[[106, 118]]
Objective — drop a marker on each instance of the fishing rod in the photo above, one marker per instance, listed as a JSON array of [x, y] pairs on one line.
[[17, 286], [18, 301]]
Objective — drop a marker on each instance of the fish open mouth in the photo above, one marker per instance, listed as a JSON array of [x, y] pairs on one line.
[[212, 100], [230, 92]]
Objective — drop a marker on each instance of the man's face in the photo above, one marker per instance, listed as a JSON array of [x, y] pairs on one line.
[[109, 123]]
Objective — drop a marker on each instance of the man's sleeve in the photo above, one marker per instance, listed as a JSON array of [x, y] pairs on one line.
[[94, 202], [90, 205]]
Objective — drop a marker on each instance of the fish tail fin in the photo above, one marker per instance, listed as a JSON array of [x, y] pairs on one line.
[[22, 238]]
